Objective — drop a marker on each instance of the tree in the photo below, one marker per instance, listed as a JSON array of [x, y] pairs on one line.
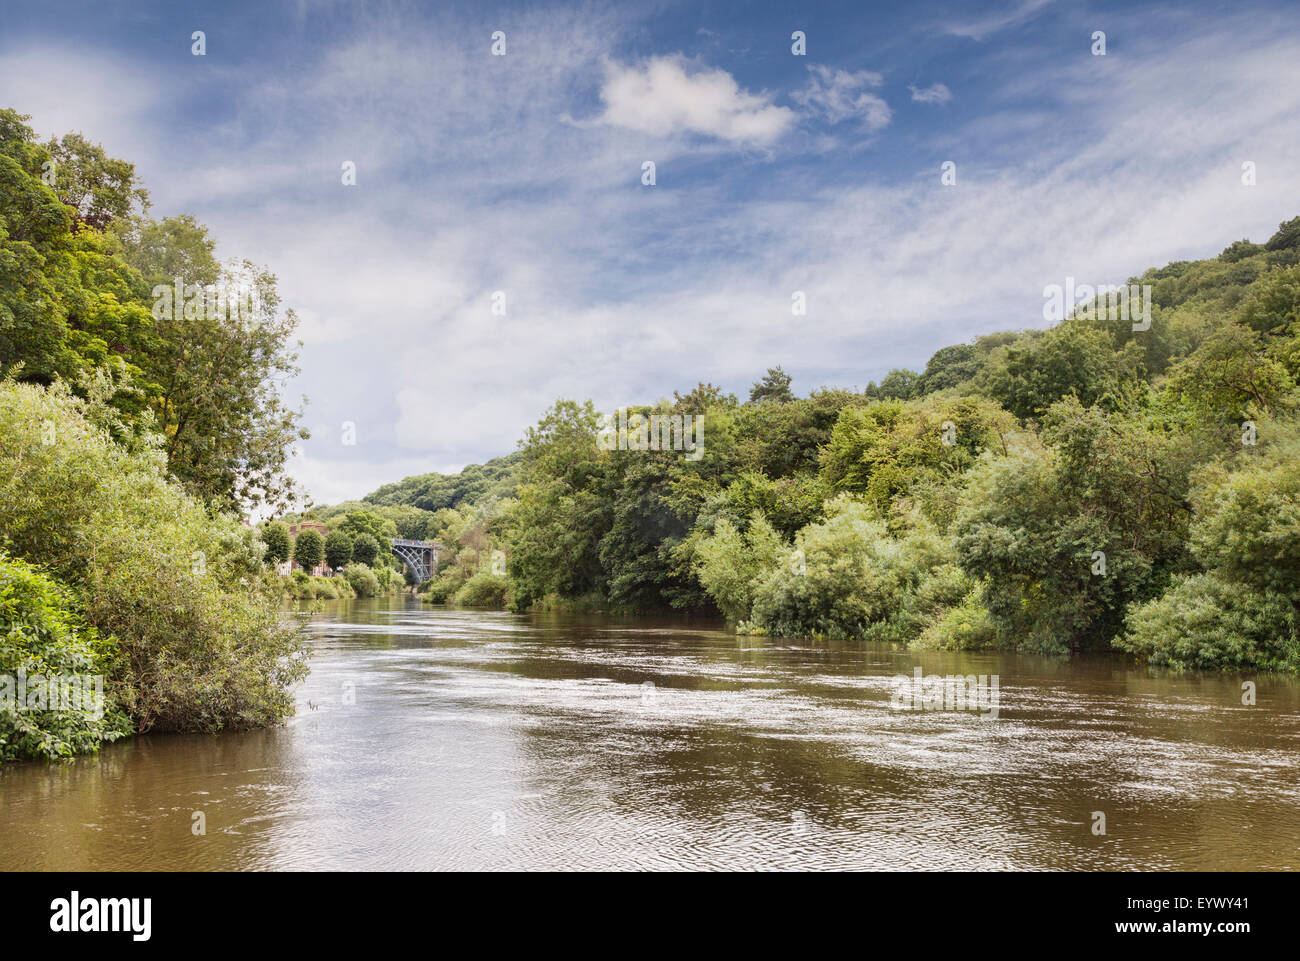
[[891, 448], [100, 189], [1247, 526], [173, 247], [700, 398], [217, 381], [898, 384], [1230, 376], [1274, 303], [365, 549], [72, 306], [774, 386], [1239, 249], [67, 305], [564, 507], [786, 503], [782, 440], [950, 366], [1033, 373], [1066, 535], [358, 522], [1287, 236], [338, 550], [309, 550], [276, 538]]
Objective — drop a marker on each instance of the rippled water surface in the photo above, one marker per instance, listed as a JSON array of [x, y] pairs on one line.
[[430, 739]]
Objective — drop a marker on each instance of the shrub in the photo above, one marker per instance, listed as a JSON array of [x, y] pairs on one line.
[[729, 564], [362, 579], [482, 590], [962, 627], [333, 588], [848, 578], [41, 634], [300, 586], [1207, 622], [439, 590], [442, 588], [936, 591], [390, 582]]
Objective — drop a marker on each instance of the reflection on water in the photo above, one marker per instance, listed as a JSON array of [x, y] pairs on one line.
[[431, 739]]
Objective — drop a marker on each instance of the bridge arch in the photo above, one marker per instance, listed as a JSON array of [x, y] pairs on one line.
[[420, 557]]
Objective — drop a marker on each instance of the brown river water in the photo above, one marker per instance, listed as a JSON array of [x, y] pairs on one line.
[[437, 739]]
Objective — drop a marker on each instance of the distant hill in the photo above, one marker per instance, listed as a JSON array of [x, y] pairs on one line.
[[499, 478]]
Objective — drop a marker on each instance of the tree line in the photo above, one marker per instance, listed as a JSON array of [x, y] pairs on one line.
[[1091, 486]]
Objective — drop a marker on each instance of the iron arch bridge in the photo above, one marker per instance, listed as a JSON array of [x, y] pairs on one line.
[[420, 556]]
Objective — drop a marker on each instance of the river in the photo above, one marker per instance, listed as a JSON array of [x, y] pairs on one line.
[[439, 739]]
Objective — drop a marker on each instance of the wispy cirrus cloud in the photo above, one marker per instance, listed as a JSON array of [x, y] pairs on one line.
[[935, 93], [839, 95], [984, 26]]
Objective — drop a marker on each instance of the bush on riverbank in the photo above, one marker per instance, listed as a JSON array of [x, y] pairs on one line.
[[440, 589], [41, 635], [1243, 609], [848, 577], [303, 587], [482, 590], [1206, 622], [362, 580], [181, 593]]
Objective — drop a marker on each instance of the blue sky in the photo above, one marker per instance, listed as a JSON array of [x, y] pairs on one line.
[[775, 173]]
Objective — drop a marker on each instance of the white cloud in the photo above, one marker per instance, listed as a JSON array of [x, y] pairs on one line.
[[839, 95], [661, 97], [935, 93]]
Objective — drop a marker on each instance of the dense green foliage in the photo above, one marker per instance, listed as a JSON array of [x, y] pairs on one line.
[[303, 587], [83, 277], [140, 412], [41, 635], [434, 492], [482, 590], [181, 596], [362, 580]]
